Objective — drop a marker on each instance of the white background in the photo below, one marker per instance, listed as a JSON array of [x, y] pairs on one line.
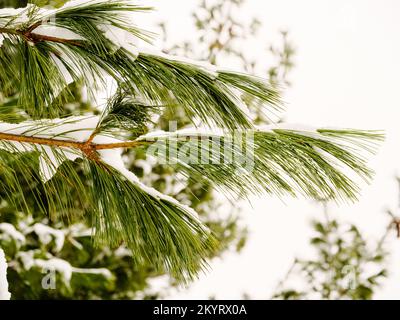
[[347, 74]]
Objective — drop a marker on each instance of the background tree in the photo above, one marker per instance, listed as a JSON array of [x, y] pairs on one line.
[[345, 265]]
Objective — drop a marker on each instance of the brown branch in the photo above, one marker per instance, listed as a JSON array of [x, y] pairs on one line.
[[34, 37], [126, 144], [87, 147], [92, 136], [41, 141]]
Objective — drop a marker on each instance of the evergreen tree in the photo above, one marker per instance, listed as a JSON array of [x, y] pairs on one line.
[[64, 161], [345, 266]]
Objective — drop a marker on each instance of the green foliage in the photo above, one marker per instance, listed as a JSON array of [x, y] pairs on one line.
[[34, 60], [125, 114], [37, 248], [156, 230], [345, 266], [13, 3], [278, 162]]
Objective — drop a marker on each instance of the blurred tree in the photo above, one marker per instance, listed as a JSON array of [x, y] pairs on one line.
[[345, 264], [221, 36], [13, 3]]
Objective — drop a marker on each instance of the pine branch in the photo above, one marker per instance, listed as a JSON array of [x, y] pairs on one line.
[[49, 159], [86, 146], [205, 93], [33, 38], [278, 161], [157, 228]]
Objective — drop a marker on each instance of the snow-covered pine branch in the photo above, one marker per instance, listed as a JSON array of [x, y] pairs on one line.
[[281, 159], [259, 160], [42, 52], [99, 47]]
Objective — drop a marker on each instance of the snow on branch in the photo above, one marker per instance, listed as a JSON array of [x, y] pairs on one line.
[[70, 138], [279, 159]]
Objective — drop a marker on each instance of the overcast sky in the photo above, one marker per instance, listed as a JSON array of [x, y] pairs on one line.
[[347, 74]]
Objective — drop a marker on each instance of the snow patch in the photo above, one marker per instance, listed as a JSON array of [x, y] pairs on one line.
[[62, 69], [211, 69], [77, 3], [289, 127], [77, 128], [27, 259], [19, 15], [9, 231], [122, 252], [50, 160], [64, 268], [98, 271], [185, 132], [4, 294], [145, 165], [46, 235], [58, 32], [121, 39], [154, 135], [59, 265]]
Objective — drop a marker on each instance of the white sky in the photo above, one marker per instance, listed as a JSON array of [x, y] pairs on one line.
[[347, 74]]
